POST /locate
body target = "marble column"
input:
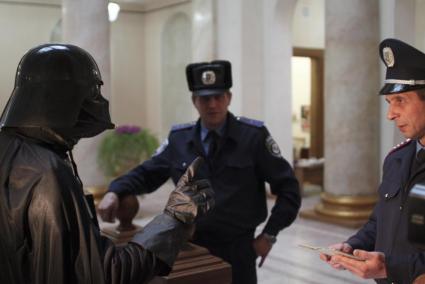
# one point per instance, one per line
(277, 52)
(85, 24)
(228, 16)
(351, 173)
(260, 51)
(203, 30)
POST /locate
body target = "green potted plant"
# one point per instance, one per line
(123, 148)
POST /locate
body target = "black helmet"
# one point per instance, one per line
(57, 87)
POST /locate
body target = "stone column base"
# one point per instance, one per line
(348, 211)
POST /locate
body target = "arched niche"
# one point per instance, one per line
(176, 47)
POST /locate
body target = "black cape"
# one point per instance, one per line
(48, 234)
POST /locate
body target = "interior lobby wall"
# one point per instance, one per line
(128, 71)
(21, 28)
(309, 24)
(154, 24)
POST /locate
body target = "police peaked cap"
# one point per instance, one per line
(209, 78)
(405, 67)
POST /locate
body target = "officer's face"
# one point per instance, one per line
(212, 109)
(407, 110)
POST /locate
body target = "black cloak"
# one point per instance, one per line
(49, 234)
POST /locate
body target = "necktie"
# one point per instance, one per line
(212, 148)
(418, 161)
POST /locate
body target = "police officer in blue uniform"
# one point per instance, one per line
(382, 243)
(241, 157)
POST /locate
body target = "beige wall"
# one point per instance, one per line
(135, 49)
(136, 42)
(21, 28)
(128, 95)
(309, 24)
(154, 27)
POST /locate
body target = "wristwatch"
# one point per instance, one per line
(270, 238)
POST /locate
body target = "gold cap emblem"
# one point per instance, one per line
(388, 56)
(208, 77)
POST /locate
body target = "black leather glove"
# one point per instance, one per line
(190, 198)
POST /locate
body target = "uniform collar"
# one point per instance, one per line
(204, 131)
(230, 130)
(419, 146)
(404, 151)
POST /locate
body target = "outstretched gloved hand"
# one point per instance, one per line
(190, 198)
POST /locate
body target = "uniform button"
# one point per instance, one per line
(184, 164)
(386, 195)
(401, 207)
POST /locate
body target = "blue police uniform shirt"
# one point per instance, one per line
(386, 230)
(204, 133)
(247, 158)
(419, 146)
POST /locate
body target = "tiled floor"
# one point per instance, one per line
(286, 263)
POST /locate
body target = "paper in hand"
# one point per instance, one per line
(330, 252)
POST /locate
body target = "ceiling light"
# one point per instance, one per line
(113, 10)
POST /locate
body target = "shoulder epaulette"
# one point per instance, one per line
(400, 146)
(182, 126)
(250, 121)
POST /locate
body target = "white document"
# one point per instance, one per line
(329, 251)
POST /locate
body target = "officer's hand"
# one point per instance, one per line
(190, 198)
(262, 247)
(420, 279)
(108, 207)
(372, 265)
(344, 247)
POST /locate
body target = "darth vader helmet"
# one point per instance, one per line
(57, 87)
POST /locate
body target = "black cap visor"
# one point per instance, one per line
(210, 92)
(389, 89)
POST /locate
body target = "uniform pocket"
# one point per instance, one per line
(239, 163)
(239, 172)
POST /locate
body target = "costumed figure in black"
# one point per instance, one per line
(382, 243)
(241, 157)
(49, 229)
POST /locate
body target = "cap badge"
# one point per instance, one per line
(208, 77)
(388, 56)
